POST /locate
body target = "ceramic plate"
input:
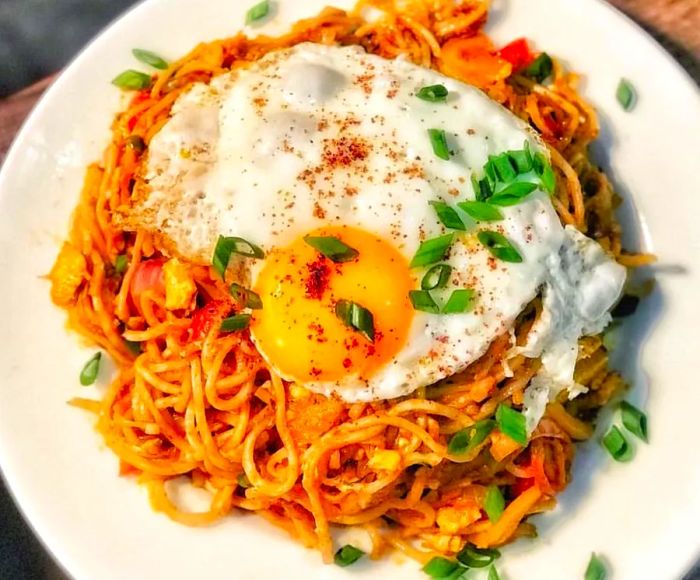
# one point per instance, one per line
(642, 516)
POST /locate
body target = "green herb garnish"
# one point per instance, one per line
(438, 140)
(493, 574)
(448, 215)
(132, 80)
(423, 301)
(357, 317)
(474, 557)
(235, 322)
(432, 251)
(243, 481)
(150, 58)
(511, 423)
(436, 277)
(616, 444)
(441, 567)
(88, 375)
(347, 555)
(499, 246)
(626, 95)
(257, 12)
(433, 93)
(121, 263)
(225, 246)
(513, 193)
(634, 421)
(471, 437)
(245, 297)
(461, 300)
(595, 569)
(494, 503)
(481, 211)
(332, 247)
(540, 68)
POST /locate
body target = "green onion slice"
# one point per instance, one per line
(482, 188)
(513, 193)
(504, 168)
(468, 439)
(150, 58)
(441, 567)
(132, 80)
(243, 481)
(432, 251)
(436, 277)
(626, 95)
(134, 347)
(423, 301)
(634, 421)
(499, 246)
(616, 444)
(257, 12)
(245, 297)
(474, 557)
(88, 375)
(225, 246)
(540, 68)
(548, 178)
(448, 216)
(121, 263)
(347, 555)
(595, 569)
(511, 423)
(481, 211)
(332, 247)
(522, 160)
(493, 574)
(438, 140)
(433, 93)
(461, 300)
(494, 503)
(357, 317)
(235, 322)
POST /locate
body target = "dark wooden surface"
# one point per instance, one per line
(675, 23)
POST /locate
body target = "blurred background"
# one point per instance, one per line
(38, 37)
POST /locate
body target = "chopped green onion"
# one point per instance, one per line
(332, 247)
(133, 346)
(432, 251)
(490, 171)
(436, 277)
(245, 297)
(88, 375)
(482, 188)
(423, 301)
(243, 481)
(347, 555)
(504, 168)
(481, 211)
(634, 421)
(149, 58)
(616, 444)
(225, 246)
(493, 574)
(461, 300)
(511, 423)
(132, 80)
(448, 216)
(257, 12)
(521, 159)
(235, 322)
(540, 68)
(494, 503)
(474, 557)
(439, 142)
(121, 263)
(626, 95)
(136, 143)
(548, 178)
(595, 569)
(433, 93)
(499, 246)
(441, 567)
(627, 306)
(357, 317)
(468, 439)
(513, 193)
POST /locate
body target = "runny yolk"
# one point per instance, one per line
(297, 329)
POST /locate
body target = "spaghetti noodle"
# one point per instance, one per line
(190, 400)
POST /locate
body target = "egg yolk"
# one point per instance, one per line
(297, 329)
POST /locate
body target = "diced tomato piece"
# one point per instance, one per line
(206, 316)
(148, 276)
(522, 485)
(517, 53)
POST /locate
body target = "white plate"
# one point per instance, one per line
(642, 516)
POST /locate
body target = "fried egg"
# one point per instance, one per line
(330, 141)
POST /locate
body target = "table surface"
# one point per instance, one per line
(675, 23)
